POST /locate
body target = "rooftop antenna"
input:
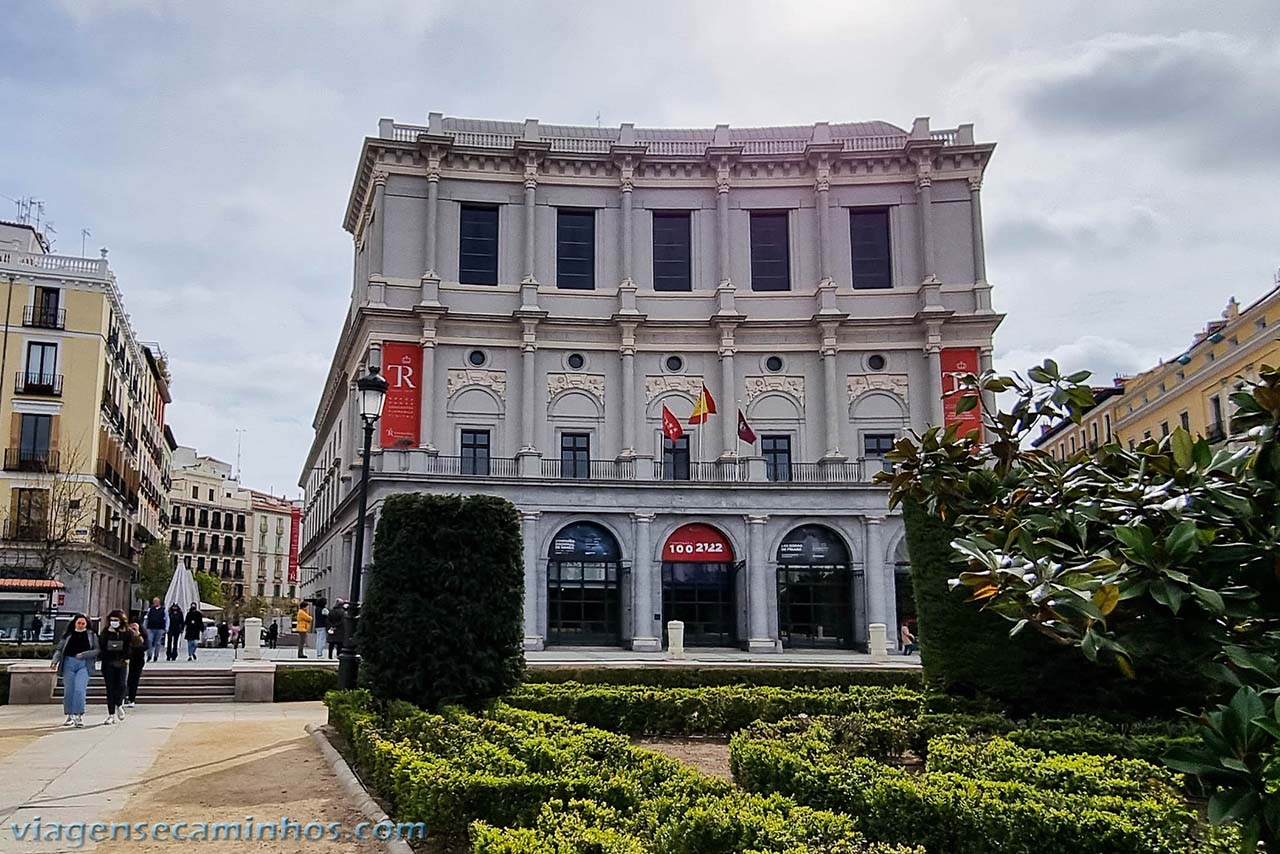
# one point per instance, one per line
(85, 234)
(597, 118)
(239, 432)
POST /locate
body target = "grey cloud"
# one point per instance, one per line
(1213, 97)
(1099, 236)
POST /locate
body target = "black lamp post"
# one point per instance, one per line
(372, 391)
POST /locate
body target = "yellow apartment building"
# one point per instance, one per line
(1192, 390)
(87, 457)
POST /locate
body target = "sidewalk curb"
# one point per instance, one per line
(354, 789)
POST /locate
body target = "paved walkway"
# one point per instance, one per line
(193, 763)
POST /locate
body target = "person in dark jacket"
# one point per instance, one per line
(137, 659)
(337, 627)
(177, 622)
(194, 623)
(154, 622)
(116, 642)
(273, 635)
(224, 632)
(74, 656)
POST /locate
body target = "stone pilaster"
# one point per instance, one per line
(646, 632)
(533, 583)
(759, 575)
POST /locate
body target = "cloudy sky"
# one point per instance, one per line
(211, 147)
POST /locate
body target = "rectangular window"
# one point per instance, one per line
(770, 251)
(204, 518)
(1107, 420)
(869, 244)
(1164, 428)
(191, 516)
(1215, 414)
(34, 439)
(475, 452)
(672, 251)
(776, 451)
(478, 245)
(210, 494)
(217, 519)
(186, 541)
(42, 363)
(32, 513)
(874, 448)
(199, 564)
(576, 249)
(1185, 418)
(173, 540)
(575, 455)
(675, 458)
(1094, 429)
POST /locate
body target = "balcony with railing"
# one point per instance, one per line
(30, 459)
(44, 317)
(26, 530)
(112, 542)
(747, 471)
(59, 265)
(42, 385)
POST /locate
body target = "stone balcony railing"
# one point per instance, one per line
(742, 471)
(29, 263)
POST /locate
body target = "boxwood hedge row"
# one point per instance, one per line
(519, 782)
(708, 677)
(982, 798)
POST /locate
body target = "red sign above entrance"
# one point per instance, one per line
(697, 543)
(957, 362)
(402, 369)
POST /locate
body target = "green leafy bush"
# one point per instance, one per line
(639, 710)
(295, 684)
(705, 677)
(1008, 800)
(441, 620)
(526, 783)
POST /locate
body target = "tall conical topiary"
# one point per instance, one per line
(442, 617)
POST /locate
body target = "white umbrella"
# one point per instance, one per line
(183, 589)
(205, 607)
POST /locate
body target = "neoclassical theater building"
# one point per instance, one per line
(539, 295)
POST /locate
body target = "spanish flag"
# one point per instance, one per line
(704, 407)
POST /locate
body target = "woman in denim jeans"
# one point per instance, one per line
(74, 655)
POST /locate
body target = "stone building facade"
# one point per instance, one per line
(538, 296)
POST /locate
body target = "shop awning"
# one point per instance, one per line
(9, 584)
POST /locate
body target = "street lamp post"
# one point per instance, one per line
(371, 392)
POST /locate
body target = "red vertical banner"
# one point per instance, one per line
(295, 530)
(956, 363)
(401, 411)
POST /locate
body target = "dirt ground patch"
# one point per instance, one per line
(708, 755)
(16, 739)
(229, 772)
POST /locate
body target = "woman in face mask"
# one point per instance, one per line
(117, 642)
(74, 657)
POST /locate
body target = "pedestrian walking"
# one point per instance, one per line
(235, 635)
(154, 621)
(74, 657)
(137, 659)
(176, 624)
(223, 634)
(337, 627)
(36, 625)
(273, 635)
(321, 626)
(194, 626)
(116, 642)
(907, 639)
(303, 625)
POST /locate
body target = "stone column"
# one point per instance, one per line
(627, 186)
(433, 213)
(759, 574)
(975, 215)
(722, 221)
(728, 394)
(532, 582)
(379, 217)
(936, 412)
(822, 187)
(924, 198)
(646, 633)
(530, 201)
(629, 414)
(874, 569)
(833, 394)
(427, 383)
(529, 387)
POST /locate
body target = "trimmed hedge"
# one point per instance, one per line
(442, 618)
(1008, 800)
(707, 677)
(639, 710)
(525, 783)
(295, 684)
(26, 650)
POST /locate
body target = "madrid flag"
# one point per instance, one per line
(671, 425)
(704, 407)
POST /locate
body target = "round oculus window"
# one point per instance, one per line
(476, 358)
(675, 364)
(576, 361)
(876, 362)
(773, 364)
